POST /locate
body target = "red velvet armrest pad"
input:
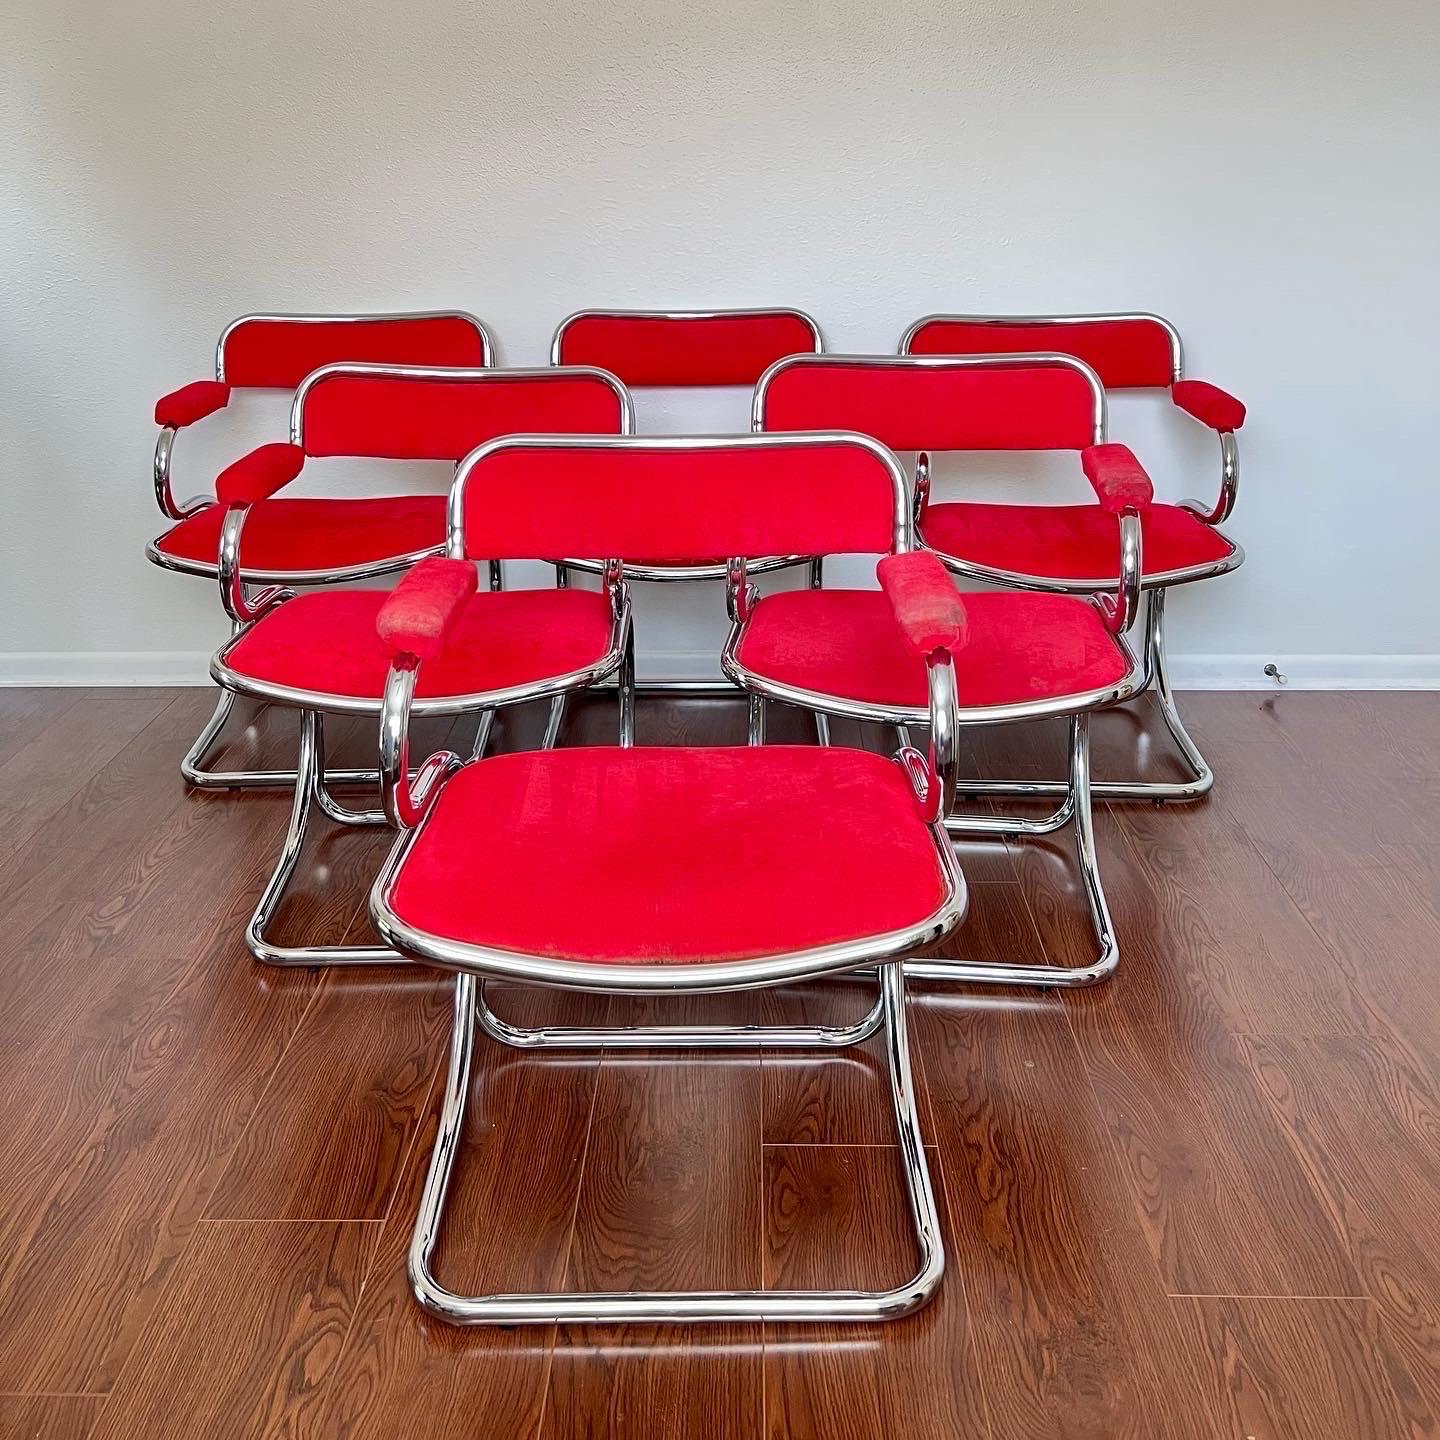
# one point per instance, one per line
(1118, 478)
(424, 606)
(259, 474)
(1209, 404)
(928, 609)
(191, 402)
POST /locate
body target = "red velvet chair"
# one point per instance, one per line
(1025, 655)
(1055, 546)
(671, 870)
(317, 652)
(378, 412)
(276, 352)
(686, 349)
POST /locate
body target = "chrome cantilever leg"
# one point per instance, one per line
(1076, 809)
(755, 731)
(817, 582)
(482, 734)
(192, 767)
(626, 693)
(1157, 663)
(553, 723)
(339, 813)
(1157, 674)
(678, 1037)
(686, 1306)
(309, 788)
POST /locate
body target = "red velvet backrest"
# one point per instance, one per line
(279, 351)
(652, 348)
(1125, 351)
(928, 405)
(444, 414)
(668, 498)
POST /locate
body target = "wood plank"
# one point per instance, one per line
(1379, 925)
(96, 1236)
(844, 1098)
(670, 1199)
(1226, 1208)
(342, 1108)
(252, 1325)
(1298, 1369)
(48, 1417)
(26, 713)
(837, 1217)
(840, 1097)
(65, 743)
(1363, 1118)
(1211, 923)
(1070, 1328)
(163, 869)
(1311, 814)
(507, 1227)
(1145, 988)
(1129, 742)
(1263, 1114)
(1384, 734)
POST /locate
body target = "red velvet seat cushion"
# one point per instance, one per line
(1068, 542)
(326, 640)
(315, 534)
(674, 854)
(1017, 647)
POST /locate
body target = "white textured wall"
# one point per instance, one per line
(1264, 174)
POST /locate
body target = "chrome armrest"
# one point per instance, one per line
(240, 605)
(740, 593)
(1119, 610)
(614, 584)
(922, 484)
(164, 496)
(935, 775)
(1229, 484)
(406, 803)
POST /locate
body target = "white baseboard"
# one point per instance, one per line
(1189, 672)
(1306, 672)
(106, 667)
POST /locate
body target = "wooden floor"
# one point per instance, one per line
(1202, 1200)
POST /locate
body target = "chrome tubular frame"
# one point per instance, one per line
(452, 373)
(474, 964)
(1076, 809)
(681, 574)
(1202, 777)
(646, 977)
(683, 1306)
(164, 496)
(678, 1037)
(487, 343)
(1156, 677)
(764, 311)
(234, 593)
(165, 443)
(405, 802)
(936, 777)
(1040, 359)
(721, 569)
(309, 787)
(1120, 610)
(240, 605)
(1177, 353)
(405, 796)
(1219, 512)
